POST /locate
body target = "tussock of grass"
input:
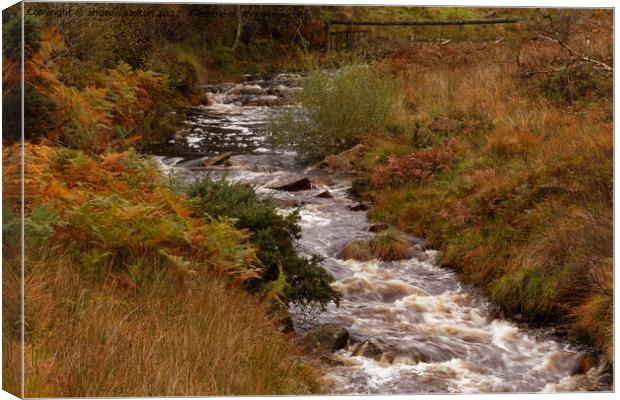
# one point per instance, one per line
(387, 246)
(357, 250)
(85, 338)
(384, 246)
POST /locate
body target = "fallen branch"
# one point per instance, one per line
(530, 74)
(601, 64)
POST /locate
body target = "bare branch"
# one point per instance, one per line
(601, 64)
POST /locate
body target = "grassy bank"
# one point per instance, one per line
(501, 155)
(130, 290)
(132, 287)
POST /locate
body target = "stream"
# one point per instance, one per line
(437, 334)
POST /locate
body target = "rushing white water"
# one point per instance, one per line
(435, 333)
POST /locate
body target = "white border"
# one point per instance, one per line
(448, 3)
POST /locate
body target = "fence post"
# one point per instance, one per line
(328, 36)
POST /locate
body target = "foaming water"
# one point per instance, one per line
(436, 334)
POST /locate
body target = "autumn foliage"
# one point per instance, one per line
(122, 271)
(116, 210)
(115, 109)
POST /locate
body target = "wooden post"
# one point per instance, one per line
(328, 37)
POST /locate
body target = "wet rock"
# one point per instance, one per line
(419, 255)
(293, 186)
(378, 228)
(261, 101)
(422, 244)
(321, 181)
(583, 363)
(324, 195)
(358, 207)
(348, 160)
(331, 360)
(327, 382)
(368, 349)
(286, 325)
(413, 357)
(218, 160)
(388, 358)
(417, 356)
(324, 338)
(248, 90)
(357, 250)
(287, 203)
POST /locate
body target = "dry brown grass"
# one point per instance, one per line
(11, 322)
(85, 338)
(524, 209)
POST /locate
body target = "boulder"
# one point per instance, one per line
(583, 363)
(295, 185)
(377, 228)
(262, 101)
(358, 207)
(325, 338)
(357, 250)
(248, 90)
(331, 360)
(324, 195)
(348, 160)
(421, 244)
(368, 349)
(218, 159)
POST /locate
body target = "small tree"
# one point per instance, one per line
(334, 110)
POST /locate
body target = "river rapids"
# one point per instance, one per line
(437, 334)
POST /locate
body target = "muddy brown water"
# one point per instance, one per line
(437, 334)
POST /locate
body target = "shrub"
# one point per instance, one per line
(275, 236)
(573, 84)
(415, 166)
(116, 210)
(360, 189)
(334, 110)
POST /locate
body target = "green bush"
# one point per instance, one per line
(275, 235)
(334, 110)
